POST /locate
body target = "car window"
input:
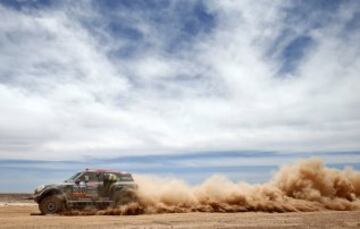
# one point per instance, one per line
(120, 177)
(92, 176)
(111, 176)
(125, 177)
(74, 176)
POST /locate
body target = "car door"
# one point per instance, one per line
(78, 190)
(91, 181)
(85, 187)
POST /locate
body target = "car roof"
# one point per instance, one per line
(96, 170)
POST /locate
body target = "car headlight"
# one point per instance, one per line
(39, 188)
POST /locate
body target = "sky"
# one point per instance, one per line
(179, 87)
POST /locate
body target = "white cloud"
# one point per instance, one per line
(62, 96)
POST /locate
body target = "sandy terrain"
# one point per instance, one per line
(16, 216)
(15, 198)
(17, 212)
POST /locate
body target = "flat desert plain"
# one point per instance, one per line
(26, 215)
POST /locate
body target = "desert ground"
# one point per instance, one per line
(15, 212)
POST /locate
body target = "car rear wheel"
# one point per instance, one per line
(51, 205)
(123, 197)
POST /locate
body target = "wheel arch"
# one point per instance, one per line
(52, 191)
(116, 188)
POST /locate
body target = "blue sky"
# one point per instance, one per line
(193, 84)
(194, 168)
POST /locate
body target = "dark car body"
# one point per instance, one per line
(96, 187)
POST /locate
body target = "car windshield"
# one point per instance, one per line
(74, 176)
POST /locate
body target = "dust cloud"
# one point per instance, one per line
(307, 185)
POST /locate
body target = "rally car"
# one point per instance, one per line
(100, 188)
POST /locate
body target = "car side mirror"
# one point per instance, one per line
(77, 181)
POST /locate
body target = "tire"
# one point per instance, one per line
(124, 197)
(52, 204)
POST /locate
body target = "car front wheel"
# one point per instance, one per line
(51, 205)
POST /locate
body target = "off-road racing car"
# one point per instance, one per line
(98, 188)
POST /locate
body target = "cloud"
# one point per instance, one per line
(92, 79)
